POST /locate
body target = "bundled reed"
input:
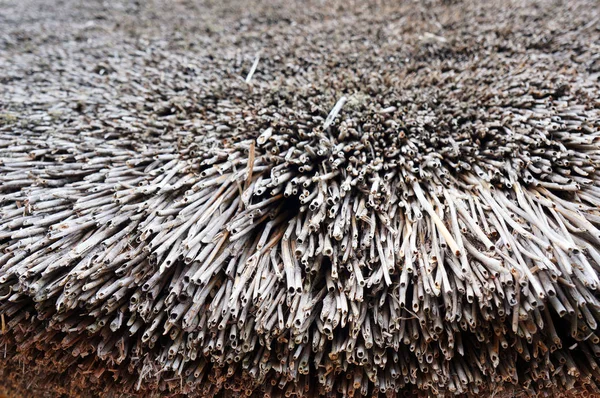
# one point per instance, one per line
(348, 244)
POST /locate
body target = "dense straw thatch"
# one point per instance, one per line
(285, 200)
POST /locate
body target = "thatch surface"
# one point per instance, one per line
(96, 97)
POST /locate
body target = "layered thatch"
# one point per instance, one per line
(386, 199)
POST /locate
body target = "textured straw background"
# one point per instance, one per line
(115, 69)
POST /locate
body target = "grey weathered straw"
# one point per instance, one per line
(366, 212)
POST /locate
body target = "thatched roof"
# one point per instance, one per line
(286, 198)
